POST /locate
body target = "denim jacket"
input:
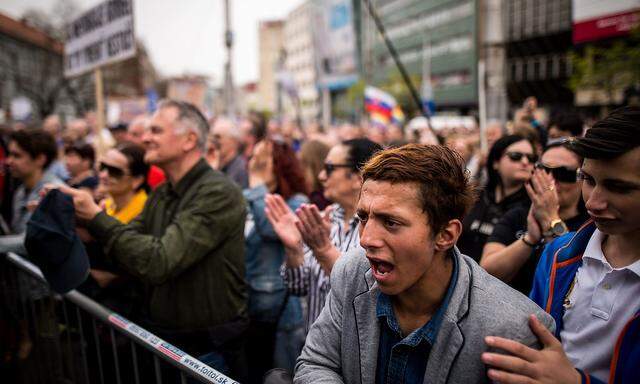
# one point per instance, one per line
(264, 256)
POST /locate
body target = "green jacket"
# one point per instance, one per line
(187, 246)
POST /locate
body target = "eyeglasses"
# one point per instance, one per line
(560, 174)
(114, 172)
(517, 156)
(329, 168)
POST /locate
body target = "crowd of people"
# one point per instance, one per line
(354, 253)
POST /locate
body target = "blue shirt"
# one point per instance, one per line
(404, 360)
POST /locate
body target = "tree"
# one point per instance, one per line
(53, 23)
(44, 85)
(609, 68)
(396, 86)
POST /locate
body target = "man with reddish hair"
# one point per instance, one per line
(408, 307)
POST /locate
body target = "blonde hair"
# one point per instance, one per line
(312, 155)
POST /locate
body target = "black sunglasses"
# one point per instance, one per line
(114, 172)
(560, 174)
(329, 168)
(517, 156)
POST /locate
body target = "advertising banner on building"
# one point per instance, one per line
(335, 43)
(598, 19)
(102, 35)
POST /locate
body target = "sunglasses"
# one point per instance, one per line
(329, 168)
(114, 172)
(560, 174)
(517, 156)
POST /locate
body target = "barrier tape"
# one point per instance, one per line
(180, 358)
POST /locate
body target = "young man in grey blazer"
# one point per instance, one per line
(410, 308)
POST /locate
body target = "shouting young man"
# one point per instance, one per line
(408, 307)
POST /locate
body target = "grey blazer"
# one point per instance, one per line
(342, 345)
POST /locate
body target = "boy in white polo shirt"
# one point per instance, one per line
(589, 280)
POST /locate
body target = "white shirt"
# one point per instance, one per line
(601, 303)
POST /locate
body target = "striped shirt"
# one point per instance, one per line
(309, 279)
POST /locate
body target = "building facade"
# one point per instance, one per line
(300, 64)
(444, 32)
(538, 42)
(31, 81)
(32, 73)
(271, 49)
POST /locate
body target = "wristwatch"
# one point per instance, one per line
(556, 229)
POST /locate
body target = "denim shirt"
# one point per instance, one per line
(264, 255)
(404, 360)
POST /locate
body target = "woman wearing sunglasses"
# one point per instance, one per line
(123, 179)
(509, 166)
(513, 250)
(276, 331)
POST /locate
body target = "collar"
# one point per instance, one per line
(226, 167)
(189, 178)
(338, 215)
(429, 331)
(593, 251)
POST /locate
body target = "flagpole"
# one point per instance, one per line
(482, 106)
(426, 74)
(394, 54)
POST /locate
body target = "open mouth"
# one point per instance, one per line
(381, 268)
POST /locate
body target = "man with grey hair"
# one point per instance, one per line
(187, 245)
(225, 139)
(136, 129)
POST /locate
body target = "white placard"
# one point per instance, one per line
(102, 35)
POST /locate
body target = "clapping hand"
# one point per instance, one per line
(315, 228)
(283, 221)
(544, 203)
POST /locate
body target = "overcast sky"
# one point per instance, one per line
(186, 37)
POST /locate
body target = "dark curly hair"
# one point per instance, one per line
(36, 142)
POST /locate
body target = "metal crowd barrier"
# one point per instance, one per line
(74, 340)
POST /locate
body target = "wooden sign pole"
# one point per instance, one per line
(100, 145)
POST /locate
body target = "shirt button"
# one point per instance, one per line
(606, 286)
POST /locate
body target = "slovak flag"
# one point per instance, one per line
(379, 104)
(397, 116)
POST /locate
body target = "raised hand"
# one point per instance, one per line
(315, 229)
(544, 198)
(283, 221)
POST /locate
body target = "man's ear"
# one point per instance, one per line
(191, 142)
(448, 235)
(41, 160)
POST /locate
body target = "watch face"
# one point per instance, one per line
(559, 228)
